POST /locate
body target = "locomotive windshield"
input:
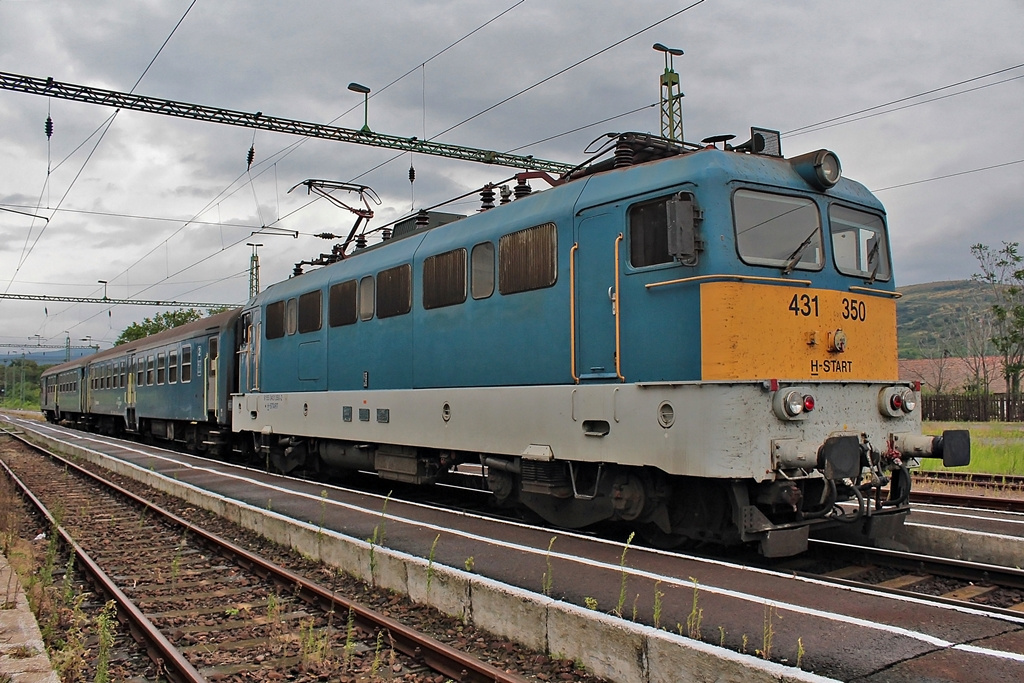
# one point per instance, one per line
(858, 243)
(777, 230)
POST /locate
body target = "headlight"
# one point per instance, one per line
(909, 400)
(821, 168)
(792, 403)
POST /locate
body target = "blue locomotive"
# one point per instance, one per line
(697, 342)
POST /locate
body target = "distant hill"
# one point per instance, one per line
(928, 316)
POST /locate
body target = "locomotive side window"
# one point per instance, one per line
(776, 230)
(366, 298)
(310, 315)
(444, 279)
(527, 259)
(394, 291)
(648, 233)
(483, 270)
(859, 244)
(341, 304)
(291, 317)
(275, 321)
(172, 366)
(186, 363)
(161, 367)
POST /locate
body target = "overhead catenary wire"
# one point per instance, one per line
(106, 127)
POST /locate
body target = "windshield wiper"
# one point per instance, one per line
(794, 258)
(874, 254)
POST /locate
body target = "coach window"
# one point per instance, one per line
(150, 368)
(858, 243)
(777, 230)
(139, 373)
(172, 366)
(341, 304)
(366, 298)
(124, 374)
(527, 259)
(483, 270)
(186, 363)
(275, 321)
(161, 367)
(310, 316)
(106, 376)
(444, 279)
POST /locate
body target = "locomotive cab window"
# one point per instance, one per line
(777, 230)
(662, 231)
(859, 244)
(275, 320)
(527, 259)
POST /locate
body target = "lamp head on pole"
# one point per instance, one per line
(362, 89)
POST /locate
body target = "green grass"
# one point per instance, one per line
(996, 447)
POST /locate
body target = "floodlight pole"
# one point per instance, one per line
(254, 269)
(362, 89)
(671, 96)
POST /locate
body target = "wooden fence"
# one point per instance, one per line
(972, 408)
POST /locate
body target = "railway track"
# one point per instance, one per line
(971, 480)
(208, 609)
(982, 587)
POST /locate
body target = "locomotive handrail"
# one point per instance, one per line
(618, 318)
(723, 276)
(572, 310)
(876, 292)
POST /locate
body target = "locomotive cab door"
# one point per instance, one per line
(248, 335)
(595, 267)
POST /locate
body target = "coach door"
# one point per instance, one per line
(129, 394)
(211, 375)
(595, 265)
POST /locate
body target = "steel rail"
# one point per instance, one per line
(967, 501)
(164, 654)
(440, 657)
(976, 572)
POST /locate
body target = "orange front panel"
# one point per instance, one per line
(759, 332)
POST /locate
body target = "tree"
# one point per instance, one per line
(1002, 272)
(973, 328)
(158, 323)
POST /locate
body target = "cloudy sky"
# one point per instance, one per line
(162, 208)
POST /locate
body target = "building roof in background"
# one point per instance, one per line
(951, 374)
